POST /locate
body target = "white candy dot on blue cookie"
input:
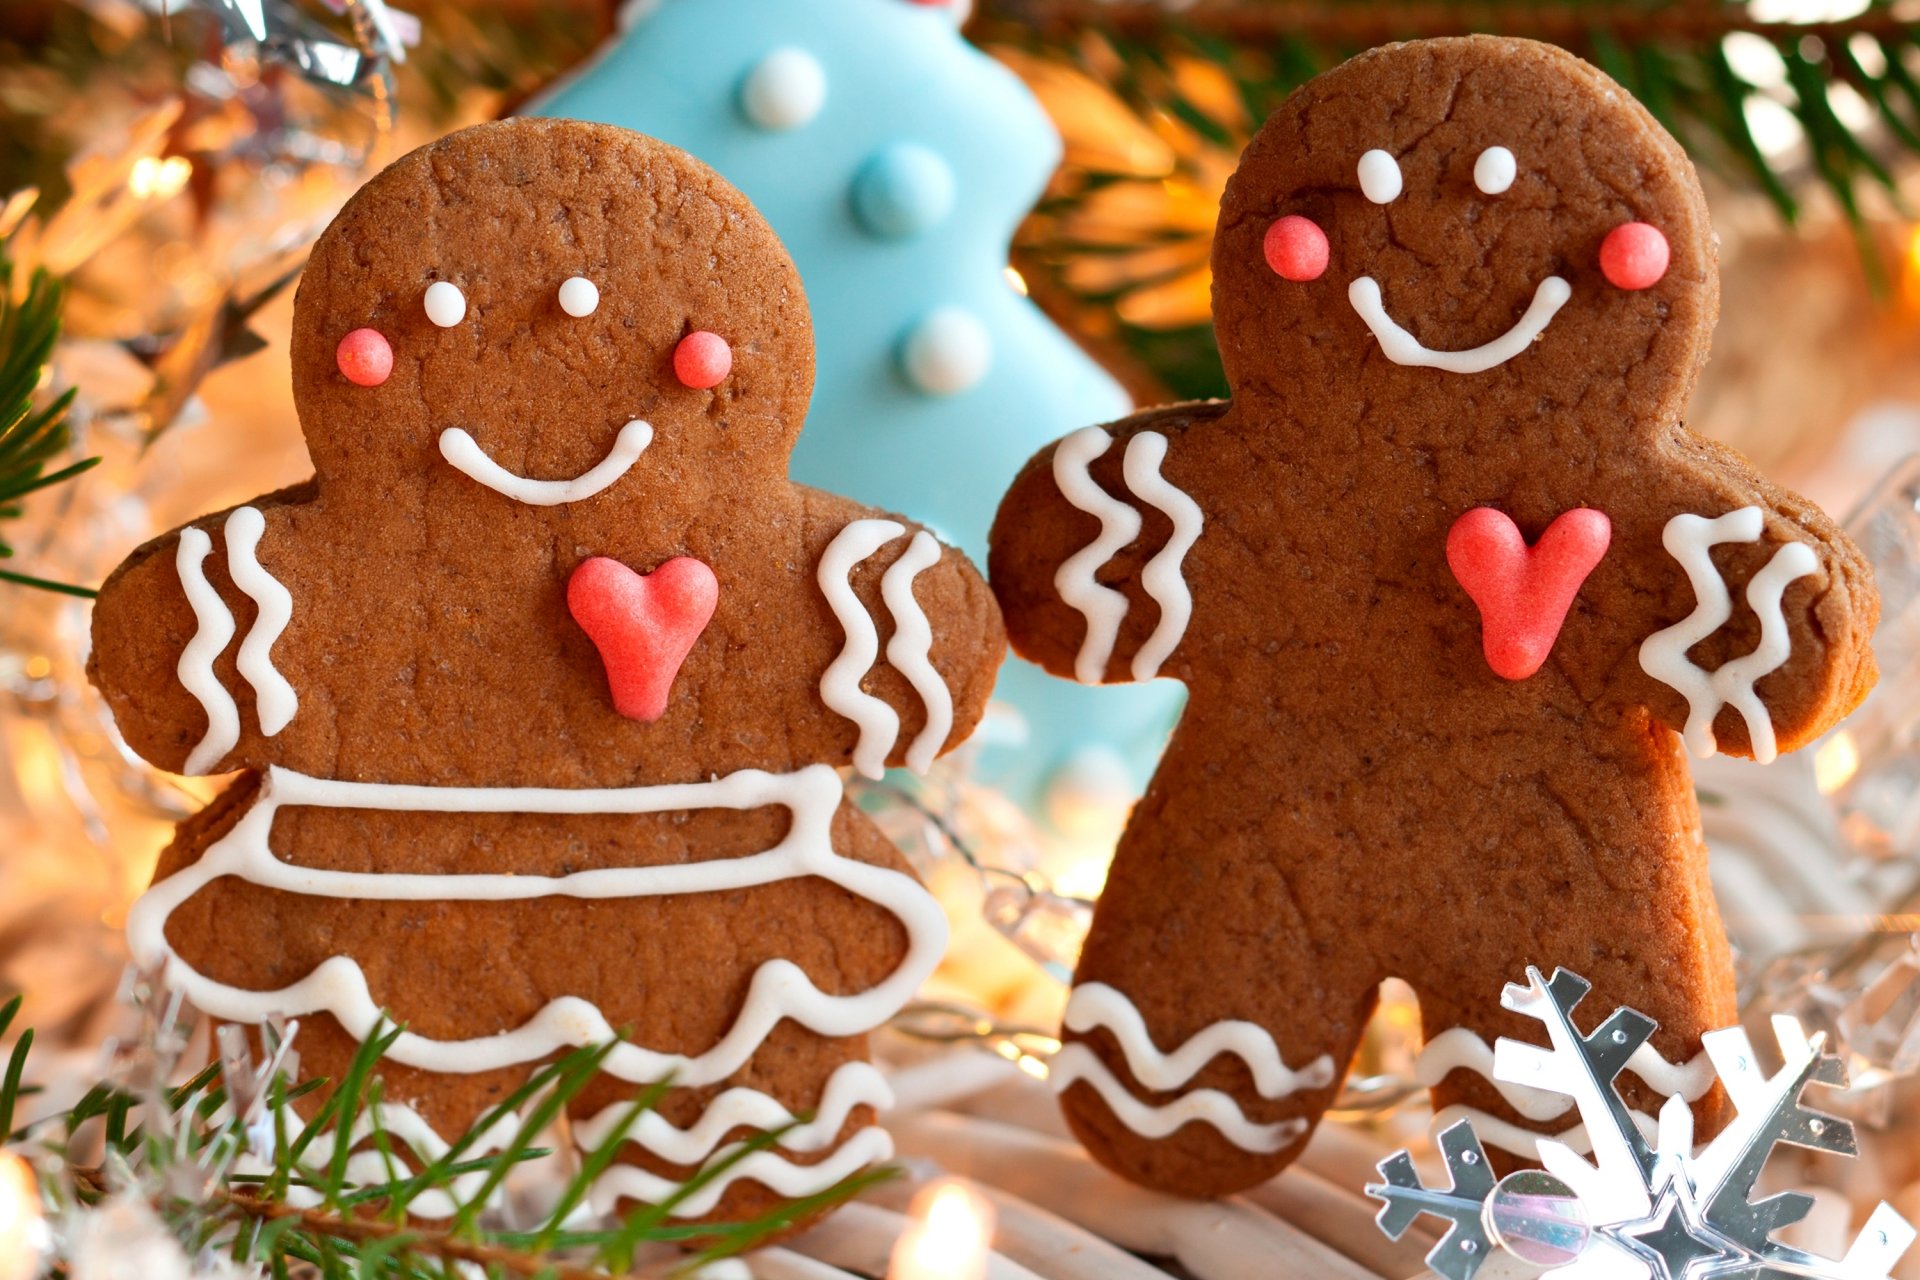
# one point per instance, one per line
(946, 352)
(903, 190)
(784, 90)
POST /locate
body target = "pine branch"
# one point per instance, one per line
(312, 1211)
(389, 1241)
(30, 438)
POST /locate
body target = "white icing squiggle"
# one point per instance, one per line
(1095, 1004)
(370, 1168)
(403, 1125)
(210, 639)
(840, 687)
(779, 989)
(910, 650)
(466, 455)
(1508, 1136)
(1103, 607)
(1075, 1063)
(852, 1084)
(1162, 577)
(1459, 1049)
(274, 699)
(1734, 681)
(1663, 655)
(768, 1168)
(1403, 348)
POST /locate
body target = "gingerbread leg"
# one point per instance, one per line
(1210, 1024)
(1644, 959)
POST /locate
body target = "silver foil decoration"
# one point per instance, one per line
(1639, 1210)
(286, 35)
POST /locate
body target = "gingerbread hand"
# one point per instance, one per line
(1090, 542)
(1763, 617)
(183, 693)
(933, 688)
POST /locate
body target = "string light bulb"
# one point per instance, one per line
(948, 1237)
(153, 178)
(22, 1222)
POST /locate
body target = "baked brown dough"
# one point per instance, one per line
(1354, 791)
(432, 642)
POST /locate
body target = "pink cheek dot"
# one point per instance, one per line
(1634, 256)
(365, 357)
(1297, 249)
(702, 360)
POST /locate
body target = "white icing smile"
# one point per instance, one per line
(1402, 347)
(465, 453)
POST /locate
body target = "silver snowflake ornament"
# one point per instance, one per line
(1640, 1210)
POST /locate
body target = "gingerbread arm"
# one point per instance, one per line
(1758, 609)
(183, 633)
(921, 637)
(1087, 549)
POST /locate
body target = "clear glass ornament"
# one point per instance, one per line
(1870, 765)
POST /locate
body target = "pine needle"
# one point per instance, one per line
(31, 438)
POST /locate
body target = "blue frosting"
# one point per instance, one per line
(904, 190)
(897, 192)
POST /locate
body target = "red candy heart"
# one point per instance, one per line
(643, 625)
(1524, 592)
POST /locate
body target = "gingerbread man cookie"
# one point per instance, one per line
(541, 685)
(1449, 584)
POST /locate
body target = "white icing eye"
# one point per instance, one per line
(579, 296)
(1494, 171)
(446, 305)
(1379, 177)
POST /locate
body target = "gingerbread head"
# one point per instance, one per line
(1468, 229)
(549, 672)
(1449, 584)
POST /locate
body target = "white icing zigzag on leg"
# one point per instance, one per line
(1095, 1004)
(274, 699)
(404, 1126)
(196, 660)
(1508, 1136)
(1162, 577)
(1459, 1049)
(851, 1085)
(910, 649)
(1075, 1063)
(769, 1168)
(1663, 655)
(1103, 607)
(840, 687)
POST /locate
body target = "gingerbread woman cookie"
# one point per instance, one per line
(541, 685)
(1449, 584)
